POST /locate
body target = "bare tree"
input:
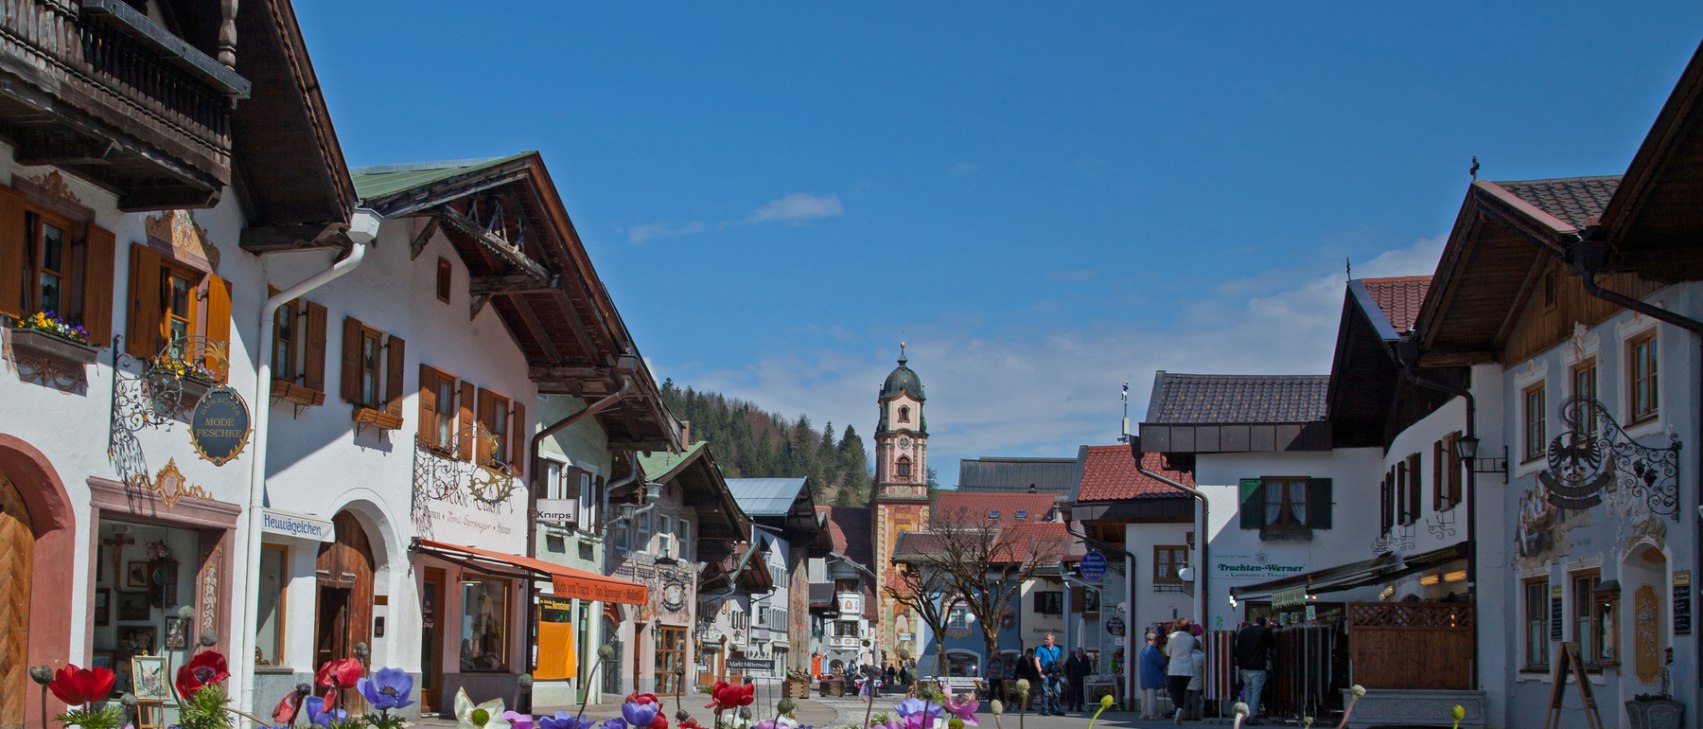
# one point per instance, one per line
(922, 587)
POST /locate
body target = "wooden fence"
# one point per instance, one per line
(1411, 645)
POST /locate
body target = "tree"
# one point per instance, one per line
(988, 564)
(854, 464)
(925, 587)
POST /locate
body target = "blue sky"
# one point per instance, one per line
(1045, 200)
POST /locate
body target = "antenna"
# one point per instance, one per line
(1124, 436)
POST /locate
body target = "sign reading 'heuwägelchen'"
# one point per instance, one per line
(220, 425)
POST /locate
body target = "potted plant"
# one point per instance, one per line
(1655, 711)
(194, 375)
(49, 334)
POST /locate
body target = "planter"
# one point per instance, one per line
(797, 688)
(193, 389)
(1657, 714)
(54, 346)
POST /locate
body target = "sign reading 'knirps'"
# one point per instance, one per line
(219, 427)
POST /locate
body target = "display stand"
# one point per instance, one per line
(1567, 661)
(150, 714)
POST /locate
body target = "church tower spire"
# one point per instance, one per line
(901, 489)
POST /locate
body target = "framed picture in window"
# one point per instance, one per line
(136, 574)
(148, 678)
(104, 659)
(132, 605)
(103, 607)
(177, 634)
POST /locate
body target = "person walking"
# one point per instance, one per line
(1076, 670)
(1179, 648)
(1254, 647)
(1196, 697)
(1049, 659)
(1152, 675)
(1028, 669)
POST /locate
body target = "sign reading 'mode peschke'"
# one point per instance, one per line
(220, 425)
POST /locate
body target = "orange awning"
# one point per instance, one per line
(565, 581)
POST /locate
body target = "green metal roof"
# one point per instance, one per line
(384, 180)
(658, 464)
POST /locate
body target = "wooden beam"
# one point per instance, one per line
(63, 149)
(581, 336)
(511, 283)
(479, 303)
(1455, 359)
(269, 238)
(537, 330)
(418, 245)
(570, 373)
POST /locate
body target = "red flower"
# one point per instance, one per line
(715, 696)
(340, 673)
(77, 686)
(727, 696)
(642, 699)
(285, 712)
(660, 722)
(206, 667)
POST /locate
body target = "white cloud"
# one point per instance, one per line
(647, 231)
(799, 206)
(1043, 395)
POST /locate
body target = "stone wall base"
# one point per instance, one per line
(1401, 707)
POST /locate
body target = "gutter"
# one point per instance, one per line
(363, 230)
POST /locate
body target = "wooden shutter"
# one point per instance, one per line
(313, 346)
(1384, 493)
(142, 328)
(98, 253)
(464, 424)
(1454, 461)
(218, 326)
(426, 428)
(1318, 503)
(1253, 507)
(1413, 488)
(351, 385)
(481, 441)
(1437, 470)
(394, 350)
(14, 243)
(518, 440)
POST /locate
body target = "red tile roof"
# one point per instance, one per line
(1400, 297)
(1053, 540)
(980, 506)
(1572, 199)
(852, 529)
(1108, 474)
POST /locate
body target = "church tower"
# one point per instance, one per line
(900, 498)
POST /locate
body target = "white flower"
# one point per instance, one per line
(1239, 709)
(1358, 691)
(488, 715)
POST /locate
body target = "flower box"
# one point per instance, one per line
(798, 688)
(377, 418)
(54, 346)
(299, 394)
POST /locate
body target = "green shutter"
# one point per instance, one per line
(1253, 507)
(1318, 502)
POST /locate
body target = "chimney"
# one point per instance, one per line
(686, 433)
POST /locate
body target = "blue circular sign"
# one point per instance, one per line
(1092, 567)
(219, 427)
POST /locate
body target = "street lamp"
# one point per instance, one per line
(1466, 448)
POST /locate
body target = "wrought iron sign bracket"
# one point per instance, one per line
(1595, 456)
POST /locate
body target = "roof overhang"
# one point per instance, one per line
(1235, 437)
(1652, 224)
(1384, 568)
(565, 581)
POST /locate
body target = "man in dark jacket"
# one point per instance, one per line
(1255, 647)
(1076, 669)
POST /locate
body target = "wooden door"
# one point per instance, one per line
(16, 544)
(431, 639)
(344, 571)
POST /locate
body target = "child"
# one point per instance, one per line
(1197, 702)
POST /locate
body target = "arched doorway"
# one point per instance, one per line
(17, 546)
(344, 574)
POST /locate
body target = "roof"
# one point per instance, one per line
(765, 496)
(1652, 223)
(902, 380)
(1398, 298)
(660, 465)
(851, 530)
(1204, 399)
(1109, 474)
(983, 506)
(1575, 200)
(1007, 474)
(382, 180)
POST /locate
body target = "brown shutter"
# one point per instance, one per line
(518, 440)
(97, 285)
(313, 356)
(351, 384)
(218, 325)
(394, 352)
(1437, 470)
(426, 429)
(481, 443)
(14, 245)
(142, 327)
(464, 424)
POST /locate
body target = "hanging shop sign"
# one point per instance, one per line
(1093, 566)
(220, 425)
(1682, 602)
(300, 526)
(1115, 626)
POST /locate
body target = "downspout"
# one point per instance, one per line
(1204, 567)
(1131, 662)
(363, 229)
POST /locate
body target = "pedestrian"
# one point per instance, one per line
(1197, 704)
(996, 678)
(1152, 674)
(1076, 670)
(1254, 647)
(892, 674)
(1028, 670)
(1049, 658)
(1179, 648)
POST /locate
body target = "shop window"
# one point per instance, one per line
(1585, 616)
(1536, 637)
(372, 374)
(54, 261)
(1585, 388)
(1606, 603)
(437, 410)
(484, 624)
(1050, 602)
(502, 425)
(1285, 506)
(1533, 415)
(1641, 367)
(180, 312)
(298, 352)
(269, 626)
(1167, 560)
(670, 659)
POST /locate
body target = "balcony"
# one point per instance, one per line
(98, 89)
(850, 603)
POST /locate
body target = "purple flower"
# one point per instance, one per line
(564, 720)
(912, 707)
(637, 714)
(317, 714)
(964, 709)
(614, 724)
(518, 720)
(389, 688)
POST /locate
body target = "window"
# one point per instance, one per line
(55, 261)
(1537, 624)
(171, 302)
(762, 615)
(1167, 560)
(683, 538)
(298, 352)
(502, 429)
(1585, 616)
(848, 628)
(1585, 388)
(484, 624)
(437, 409)
(1642, 366)
(1535, 439)
(1604, 602)
(904, 468)
(1446, 476)
(670, 657)
(269, 617)
(904, 414)
(1285, 505)
(993, 515)
(372, 374)
(1050, 602)
(665, 536)
(444, 274)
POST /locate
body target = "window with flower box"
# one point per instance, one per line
(298, 352)
(53, 259)
(437, 410)
(179, 315)
(372, 374)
